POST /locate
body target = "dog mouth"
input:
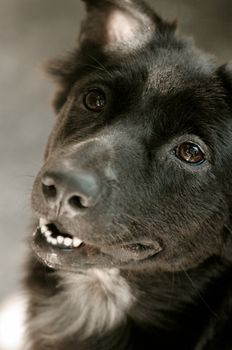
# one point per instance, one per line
(62, 250)
(55, 237)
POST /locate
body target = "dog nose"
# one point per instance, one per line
(70, 192)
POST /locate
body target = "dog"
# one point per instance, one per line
(132, 207)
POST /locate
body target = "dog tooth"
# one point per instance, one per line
(43, 228)
(76, 242)
(53, 241)
(68, 242)
(60, 239)
(47, 234)
(49, 239)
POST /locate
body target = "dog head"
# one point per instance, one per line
(137, 170)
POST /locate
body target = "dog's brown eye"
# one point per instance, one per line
(95, 100)
(190, 153)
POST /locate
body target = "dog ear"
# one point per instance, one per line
(118, 25)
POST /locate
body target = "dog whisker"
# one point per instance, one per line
(100, 66)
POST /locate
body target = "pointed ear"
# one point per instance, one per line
(118, 24)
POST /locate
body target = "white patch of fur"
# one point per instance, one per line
(91, 302)
(120, 27)
(12, 323)
(127, 31)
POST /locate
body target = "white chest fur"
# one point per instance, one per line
(91, 301)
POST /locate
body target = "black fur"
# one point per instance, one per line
(161, 92)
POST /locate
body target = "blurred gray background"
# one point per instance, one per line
(30, 32)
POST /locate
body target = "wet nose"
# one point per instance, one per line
(70, 192)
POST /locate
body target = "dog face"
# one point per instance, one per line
(137, 170)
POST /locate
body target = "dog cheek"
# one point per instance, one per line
(191, 231)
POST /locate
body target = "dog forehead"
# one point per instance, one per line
(165, 80)
(171, 70)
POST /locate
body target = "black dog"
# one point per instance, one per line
(133, 239)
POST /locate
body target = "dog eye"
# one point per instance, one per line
(95, 100)
(190, 153)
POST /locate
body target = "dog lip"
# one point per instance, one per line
(136, 251)
(58, 255)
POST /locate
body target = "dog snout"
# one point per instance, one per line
(70, 191)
